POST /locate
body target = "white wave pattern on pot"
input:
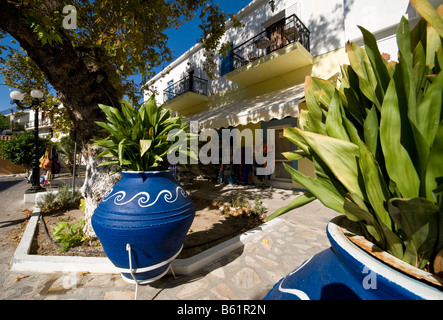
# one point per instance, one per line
(144, 197)
(300, 294)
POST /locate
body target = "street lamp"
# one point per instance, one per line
(37, 97)
(272, 4)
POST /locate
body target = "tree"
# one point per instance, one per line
(93, 63)
(114, 41)
(20, 148)
(4, 122)
(65, 148)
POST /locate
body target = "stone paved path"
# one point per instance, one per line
(247, 273)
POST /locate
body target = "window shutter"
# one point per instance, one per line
(226, 63)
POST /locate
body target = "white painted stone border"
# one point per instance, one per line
(23, 261)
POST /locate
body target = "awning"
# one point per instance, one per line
(274, 105)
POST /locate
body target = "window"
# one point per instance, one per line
(226, 63)
(170, 90)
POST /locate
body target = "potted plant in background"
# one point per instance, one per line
(143, 219)
(376, 141)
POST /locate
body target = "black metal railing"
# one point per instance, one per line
(277, 36)
(41, 123)
(187, 84)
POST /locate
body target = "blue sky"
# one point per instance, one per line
(179, 40)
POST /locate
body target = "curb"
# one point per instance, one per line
(23, 261)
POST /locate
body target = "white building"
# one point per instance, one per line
(260, 85)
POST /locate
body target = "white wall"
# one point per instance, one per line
(331, 23)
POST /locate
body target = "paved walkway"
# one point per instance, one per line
(247, 273)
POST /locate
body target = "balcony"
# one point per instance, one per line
(281, 48)
(187, 92)
(42, 124)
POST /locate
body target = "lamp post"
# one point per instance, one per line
(37, 97)
(272, 4)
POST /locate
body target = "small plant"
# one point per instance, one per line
(48, 202)
(67, 198)
(258, 209)
(138, 138)
(239, 202)
(240, 206)
(69, 235)
(63, 200)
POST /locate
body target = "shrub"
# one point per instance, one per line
(69, 235)
(63, 200)
(19, 150)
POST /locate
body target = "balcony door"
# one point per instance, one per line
(191, 80)
(274, 33)
(281, 178)
(170, 95)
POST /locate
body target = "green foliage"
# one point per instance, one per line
(69, 235)
(138, 139)
(257, 208)
(123, 39)
(62, 200)
(239, 201)
(240, 206)
(48, 202)
(19, 150)
(67, 199)
(65, 149)
(4, 122)
(376, 142)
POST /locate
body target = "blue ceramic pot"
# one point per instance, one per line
(344, 271)
(142, 223)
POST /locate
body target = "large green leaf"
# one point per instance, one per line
(417, 221)
(377, 62)
(334, 119)
(428, 12)
(296, 137)
(128, 112)
(295, 155)
(429, 113)
(430, 109)
(357, 214)
(144, 146)
(321, 188)
(406, 63)
(121, 147)
(362, 66)
(152, 111)
(351, 96)
(374, 184)
(298, 202)
(340, 157)
(404, 175)
(434, 168)
(371, 128)
(313, 105)
(309, 123)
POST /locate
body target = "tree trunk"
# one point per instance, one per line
(98, 181)
(80, 87)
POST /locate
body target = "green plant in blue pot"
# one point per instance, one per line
(375, 138)
(143, 219)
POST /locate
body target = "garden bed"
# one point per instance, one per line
(211, 226)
